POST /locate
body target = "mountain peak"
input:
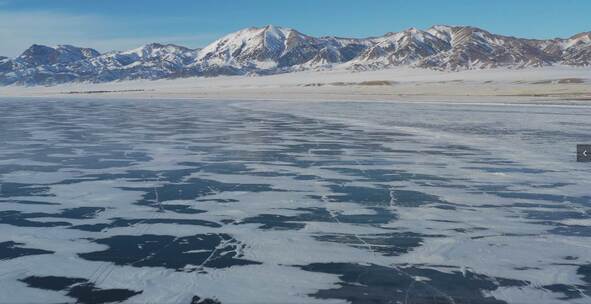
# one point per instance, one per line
(272, 28)
(157, 46)
(37, 49)
(253, 43)
(581, 38)
(38, 54)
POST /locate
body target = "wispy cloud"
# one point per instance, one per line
(19, 30)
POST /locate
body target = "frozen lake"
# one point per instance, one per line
(286, 202)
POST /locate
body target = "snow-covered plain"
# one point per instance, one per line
(556, 84)
(164, 201)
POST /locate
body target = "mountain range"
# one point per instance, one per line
(271, 50)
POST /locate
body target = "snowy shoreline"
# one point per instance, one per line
(549, 85)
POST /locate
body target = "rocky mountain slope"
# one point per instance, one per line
(272, 49)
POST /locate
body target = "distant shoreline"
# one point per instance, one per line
(550, 86)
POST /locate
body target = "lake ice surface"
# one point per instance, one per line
(285, 202)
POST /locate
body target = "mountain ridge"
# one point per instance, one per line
(272, 49)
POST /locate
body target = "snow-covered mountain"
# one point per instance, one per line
(272, 49)
(403, 48)
(575, 50)
(476, 48)
(62, 54)
(5, 64)
(151, 61)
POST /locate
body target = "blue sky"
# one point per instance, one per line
(123, 24)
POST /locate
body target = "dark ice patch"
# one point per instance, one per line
(113, 159)
(28, 202)
(52, 282)
(192, 189)
(555, 215)
(382, 175)
(456, 148)
(139, 175)
(203, 250)
(547, 185)
(508, 170)
(576, 291)
(490, 188)
(296, 222)
(571, 230)
(80, 289)
(11, 250)
(469, 230)
(379, 284)
(381, 196)
(219, 200)
(583, 200)
(183, 209)
(585, 272)
(218, 167)
(21, 219)
(80, 213)
(388, 244)
(569, 291)
(199, 300)
(120, 222)
(8, 189)
(33, 168)
(17, 218)
(274, 222)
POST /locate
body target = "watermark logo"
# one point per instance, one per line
(584, 153)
